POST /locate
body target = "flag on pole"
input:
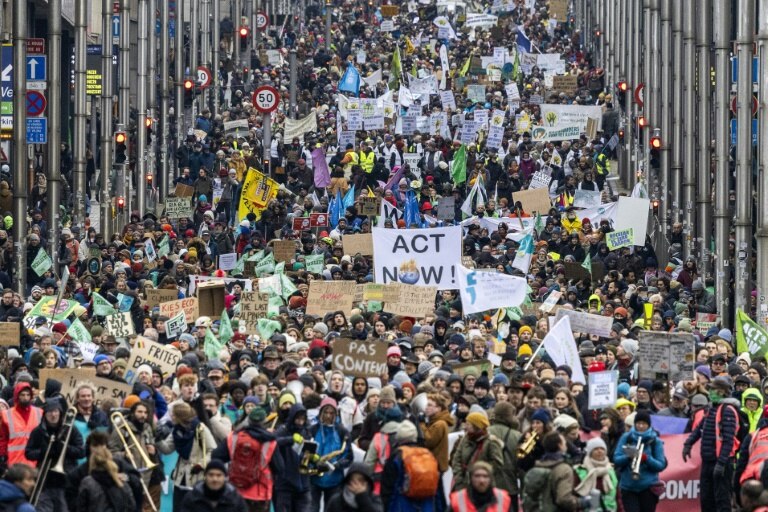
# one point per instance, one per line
(409, 48)
(349, 198)
(350, 81)
(465, 68)
(523, 43)
(750, 337)
(212, 345)
(476, 195)
(320, 166)
(225, 328)
(396, 68)
(459, 166)
(516, 67)
(561, 347)
(524, 254)
(587, 264)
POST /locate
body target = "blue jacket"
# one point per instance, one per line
(331, 438)
(655, 461)
(9, 493)
(290, 479)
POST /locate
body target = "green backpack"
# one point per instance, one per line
(537, 490)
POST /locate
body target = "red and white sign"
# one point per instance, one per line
(318, 220)
(735, 105)
(301, 224)
(681, 479)
(639, 94)
(35, 46)
(203, 77)
(261, 20)
(265, 99)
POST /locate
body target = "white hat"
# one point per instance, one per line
(203, 321)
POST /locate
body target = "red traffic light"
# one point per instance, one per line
(655, 204)
(120, 202)
(621, 133)
(655, 142)
(148, 122)
(188, 84)
(622, 86)
(243, 31)
(641, 122)
(120, 137)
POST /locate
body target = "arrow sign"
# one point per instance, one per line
(116, 26)
(6, 74)
(36, 67)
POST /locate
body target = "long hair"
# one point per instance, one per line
(101, 460)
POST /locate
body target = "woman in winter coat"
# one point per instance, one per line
(641, 494)
(505, 427)
(597, 473)
(357, 493)
(104, 489)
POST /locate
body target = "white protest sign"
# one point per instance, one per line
(547, 134)
(586, 198)
(354, 119)
(175, 327)
(633, 212)
(586, 322)
(481, 291)
(602, 389)
(422, 257)
(228, 261)
(540, 179)
(558, 116)
(448, 100)
(119, 325)
(88, 349)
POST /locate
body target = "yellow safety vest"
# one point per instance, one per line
(367, 161)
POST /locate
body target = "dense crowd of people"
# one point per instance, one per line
(473, 412)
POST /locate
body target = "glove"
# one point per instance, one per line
(298, 439)
(162, 432)
(686, 452)
(719, 470)
(630, 451)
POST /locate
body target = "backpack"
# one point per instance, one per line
(537, 489)
(420, 473)
(244, 468)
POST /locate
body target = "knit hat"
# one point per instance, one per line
(321, 328)
(643, 415)
(144, 368)
(406, 432)
(499, 379)
(387, 393)
(130, 401)
(286, 398)
(425, 367)
(478, 420)
(525, 328)
(394, 351)
(483, 382)
(629, 346)
(726, 335)
(101, 358)
(704, 371)
(542, 415)
(595, 443)
(524, 350)
(216, 465)
(257, 415)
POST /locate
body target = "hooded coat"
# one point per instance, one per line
(754, 417)
(290, 479)
(504, 427)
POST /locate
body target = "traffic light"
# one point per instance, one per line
(148, 124)
(189, 92)
(621, 134)
(641, 122)
(243, 38)
(149, 180)
(121, 147)
(655, 206)
(656, 144)
(120, 204)
(621, 91)
(598, 33)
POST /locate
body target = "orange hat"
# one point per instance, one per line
(130, 401)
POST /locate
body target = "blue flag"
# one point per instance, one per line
(334, 209)
(350, 82)
(349, 198)
(523, 43)
(411, 209)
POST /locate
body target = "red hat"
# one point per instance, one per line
(323, 234)
(596, 366)
(239, 336)
(60, 327)
(189, 233)
(426, 206)
(585, 220)
(184, 370)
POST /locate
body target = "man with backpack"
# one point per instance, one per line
(477, 444)
(549, 486)
(719, 434)
(253, 460)
(481, 493)
(409, 483)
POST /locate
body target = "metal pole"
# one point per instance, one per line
(743, 223)
(205, 46)
(152, 99)
(665, 120)
(328, 14)
(292, 91)
(81, 18)
(722, 29)
(54, 127)
(266, 125)
(676, 166)
(704, 90)
(762, 181)
(237, 4)
(689, 126)
(179, 60)
(637, 79)
(107, 99)
(165, 99)
(124, 99)
(141, 106)
(610, 40)
(20, 146)
(215, 57)
(246, 55)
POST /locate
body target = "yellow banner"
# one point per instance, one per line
(258, 191)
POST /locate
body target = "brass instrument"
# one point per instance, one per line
(637, 460)
(64, 434)
(129, 442)
(527, 447)
(312, 464)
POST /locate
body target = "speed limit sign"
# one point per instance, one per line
(261, 20)
(203, 77)
(265, 99)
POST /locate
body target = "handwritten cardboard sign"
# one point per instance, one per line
(415, 301)
(285, 250)
(188, 305)
(358, 244)
(72, 378)
(565, 83)
(178, 207)
(146, 351)
(10, 334)
(325, 296)
(119, 325)
(155, 297)
(369, 206)
(359, 358)
(253, 306)
(533, 200)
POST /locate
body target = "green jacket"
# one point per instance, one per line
(754, 417)
(466, 453)
(507, 478)
(608, 501)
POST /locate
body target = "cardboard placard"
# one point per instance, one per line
(666, 355)
(358, 244)
(158, 296)
(374, 292)
(586, 322)
(575, 271)
(253, 306)
(285, 250)
(119, 325)
(598, 271)
(565, 83)
(10, 334)
(210, 299)
(533, 200)
(389, 11)
(71, 378)
(446, 208)
(178, 207)
(475, 367)
(188, 305)
(415, 301)
(327, 296)
(369, 206)
(183, 190)
(359, 358)
(558, 9)
(146, 351)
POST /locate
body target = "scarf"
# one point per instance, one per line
(184, 438)
(349, 498)
(596, 469)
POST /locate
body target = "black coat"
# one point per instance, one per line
(99, 492)
(230, 501)
(365, 501)
(39, 439)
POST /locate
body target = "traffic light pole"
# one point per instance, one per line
(238, 8)
(216, 85)
(328, 14)
(165, 100)
(704, 90)
(665, 121)
(141, 107)
(689, 126)
(205, 48)
(743, 224)
(81, 18)
(53, 194)
(722, 29)
(107, 101)
(636, 78)
(20, 146)
(152, 103)
(762, 180)
(292, 91)
(178, 53)
(123, 99)
(676, 167)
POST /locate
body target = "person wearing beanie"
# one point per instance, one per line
(357, 492)
(627, 364)
(394, 365)
(392, 493)
(334, 446)
(644, 393)
(504, 427)
(375, 434)
(637, 490)
(481, 494)
(596, 473)
(476, 445)
(214, 492)
(482, 392)
(720, 423)
(540, 425)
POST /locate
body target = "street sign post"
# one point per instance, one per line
(36, 103)
(115, 29)
(203, 77)
(261, 20)
(735, 70)
(735, 105)
(35, 46)
(734, 133)
(37, 130)
(639, 94)
(265, 99)
(36, 68)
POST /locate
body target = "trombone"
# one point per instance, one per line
(129, 442)
(637, 459)
(64, 434)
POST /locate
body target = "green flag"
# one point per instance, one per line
(212, 345)
(101, 306)
(314, 263)
(395, 68)
(588, 263)
(459, 169)
(516, 67)
(750, 337)
(268, 327)
(225, 328)
(287, 288)
(163, 248)
(239, 267)
(42, 262)
(538, 224)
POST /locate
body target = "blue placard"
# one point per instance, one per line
(6, 76)
(37, 130)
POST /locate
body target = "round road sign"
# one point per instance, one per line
(36, 103)
(735, 105)
(639, 94)
(265, 99)
(203, 77)
(261, 20)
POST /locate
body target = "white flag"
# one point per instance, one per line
(524, 254)
(481, 290)
(561, 347)
(444, 65)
